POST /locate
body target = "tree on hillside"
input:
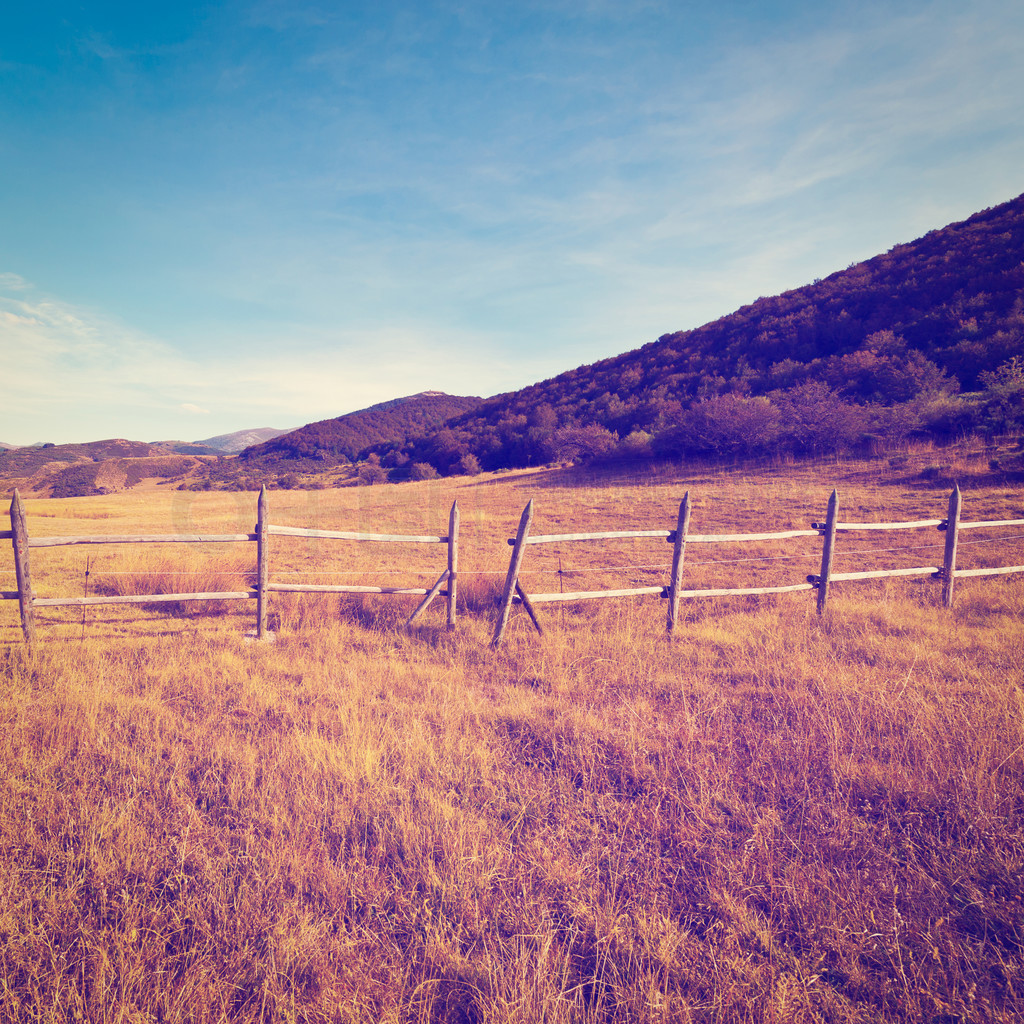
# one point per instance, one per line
(815, 420)
(372, 472)
(468, 465)
(729, 426)
(883, 370)
(1003, 398)
(422, 471)
(445, 450)
(577, 444)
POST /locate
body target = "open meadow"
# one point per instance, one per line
(774, 816)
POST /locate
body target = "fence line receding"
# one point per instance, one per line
(446, 585)
(28, 600)
(821, 582)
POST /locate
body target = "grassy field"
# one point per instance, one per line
(774, 817)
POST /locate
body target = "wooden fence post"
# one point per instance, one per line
(453, 562)
(952, 528)
(827, 549)
(262, 565)
(512, 579)
(678, 552)
(21, 567)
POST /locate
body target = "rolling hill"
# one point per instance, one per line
(99, 467)
(95, 467)
(924, 340)
(919, 339)
(329, 442)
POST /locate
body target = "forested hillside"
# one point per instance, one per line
(920, 340)
(342, 439)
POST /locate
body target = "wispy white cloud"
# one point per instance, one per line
(63, 362)
(789, 158)
(74, 373)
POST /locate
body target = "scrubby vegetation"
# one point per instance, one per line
(773, 818)
(115, 474)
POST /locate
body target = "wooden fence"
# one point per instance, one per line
(680, 537)
(513, 593)
(28, 600)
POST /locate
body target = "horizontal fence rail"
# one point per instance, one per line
(727, 538)
(610, 535)
(159, 538)
(29, 601)
(225, 595)
(387, 538)
(513, 593)
(821, 582)
(448, 577)
(859, 527)
(586, 595)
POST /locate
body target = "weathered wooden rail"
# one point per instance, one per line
(947, 573)
(449, 575)
(29, 601)
(513, 593)
(821, 582)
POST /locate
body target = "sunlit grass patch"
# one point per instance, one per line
(773, 816)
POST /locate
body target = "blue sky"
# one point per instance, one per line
(231, 215)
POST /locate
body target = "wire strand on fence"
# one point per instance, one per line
(728, 561)
(172, 572)
(991, 540)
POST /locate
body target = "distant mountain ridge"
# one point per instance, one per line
(241, 439)
(96, 467)
(29, 459)
(224, 444)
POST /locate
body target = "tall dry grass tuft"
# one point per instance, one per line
(774, 817)
(186, 570)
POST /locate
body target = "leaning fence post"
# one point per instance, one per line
(952, 528)
(512, 579)
(21, 569)
(262, 567)
(827, 550)
(453, 561)
(678, 552)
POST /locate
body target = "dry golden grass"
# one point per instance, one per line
(775, 817)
